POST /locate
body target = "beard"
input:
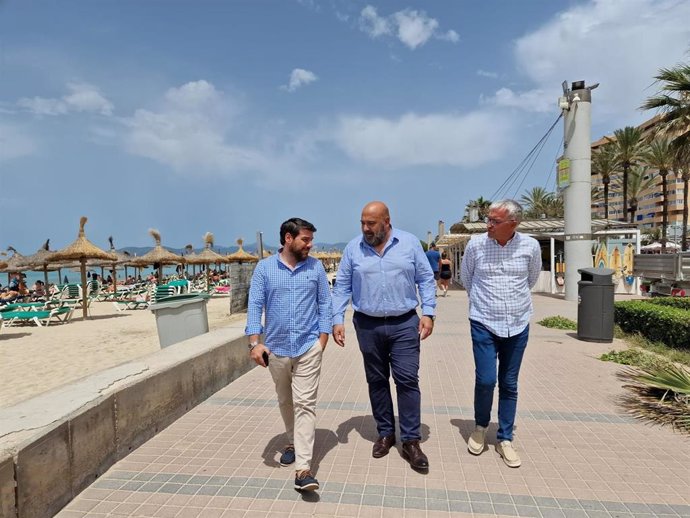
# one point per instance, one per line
(376, 238)
(299, 254)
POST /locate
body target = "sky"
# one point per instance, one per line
(233, 116)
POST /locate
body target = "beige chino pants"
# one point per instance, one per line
(297, 383)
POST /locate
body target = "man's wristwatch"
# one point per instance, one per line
(432, 317)
(253, 344)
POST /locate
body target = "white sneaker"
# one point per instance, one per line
(507, 452)
(477, 441)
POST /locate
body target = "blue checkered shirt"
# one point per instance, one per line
(297, 305)
(498, 280)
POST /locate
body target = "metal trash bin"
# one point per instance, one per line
(595, 305)
(180, 317)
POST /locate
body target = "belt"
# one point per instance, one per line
(392, 318)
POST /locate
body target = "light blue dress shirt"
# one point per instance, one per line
(297, 304)
(498, 280)
(384, 285)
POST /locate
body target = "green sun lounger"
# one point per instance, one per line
(40, 318)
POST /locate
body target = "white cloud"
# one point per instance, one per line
(413, 28)
(451, 36)
(298, 78)
(14, 143)
(373, 24)
(189, 132)
(485, 73)
(532, 100)
(418, 140)
(618, 43)
(82, 97)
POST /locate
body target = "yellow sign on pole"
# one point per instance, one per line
(563, 173)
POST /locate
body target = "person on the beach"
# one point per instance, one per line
(380, 271)
(14, 289)
(292, 290)
(434, 257)
(498, 270)
(445, 272)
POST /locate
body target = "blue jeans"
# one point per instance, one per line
(487, 348)
(392, 344)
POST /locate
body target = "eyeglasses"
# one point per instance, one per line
(494, 222)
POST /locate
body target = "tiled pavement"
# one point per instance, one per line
(581, 456)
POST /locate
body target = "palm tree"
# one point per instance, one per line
(536, 202)
(482, 207)
(638, 181)
(673, 101)
(659, 155)
(682, 168)
(604, 164)
(629, 147)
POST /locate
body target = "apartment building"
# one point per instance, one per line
(650, 200)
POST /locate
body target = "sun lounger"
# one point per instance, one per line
(40, 318)
(122, 305)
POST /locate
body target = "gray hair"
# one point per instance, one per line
(513, 208)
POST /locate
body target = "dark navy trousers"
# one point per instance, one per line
(391, 344)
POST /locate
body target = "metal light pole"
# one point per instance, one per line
(575, 178)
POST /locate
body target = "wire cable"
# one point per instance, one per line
(530, 159)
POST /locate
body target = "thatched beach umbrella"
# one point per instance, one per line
(39, 262)
(158, 255)
(121, 259)
(81, 250)
(207, 257)
(241, 256)
(189, 258)
(14, 263)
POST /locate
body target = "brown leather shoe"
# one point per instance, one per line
(414, 455)
(382, 446)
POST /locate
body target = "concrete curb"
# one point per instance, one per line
(56, 444)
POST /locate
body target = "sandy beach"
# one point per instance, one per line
(34, 360)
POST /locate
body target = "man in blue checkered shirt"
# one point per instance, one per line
(293, 290)
(498, 270)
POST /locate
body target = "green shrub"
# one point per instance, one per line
(674, 302)
(634, 357)
(656, 322)
(558, 322)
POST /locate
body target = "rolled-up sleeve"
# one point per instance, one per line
(256, 302)
(534, 265)
(342, 291)
(325, 303)
(424, 278)
(467, 267)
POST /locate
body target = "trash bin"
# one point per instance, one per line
(595, 305)
(180, 317)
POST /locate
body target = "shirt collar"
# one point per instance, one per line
(508, 243)
(392, 239)
(280, 261)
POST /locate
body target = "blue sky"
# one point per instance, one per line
(232, 116)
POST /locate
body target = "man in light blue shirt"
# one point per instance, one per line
(498, 270)
(293, 290)
(381, 271)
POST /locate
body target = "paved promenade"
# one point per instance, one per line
(581, 456)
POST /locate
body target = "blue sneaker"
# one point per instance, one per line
(288, 456)
(305, 481)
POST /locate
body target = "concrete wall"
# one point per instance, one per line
(240, 277)
(55, 445)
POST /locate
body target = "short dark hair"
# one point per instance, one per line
(294, 226)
